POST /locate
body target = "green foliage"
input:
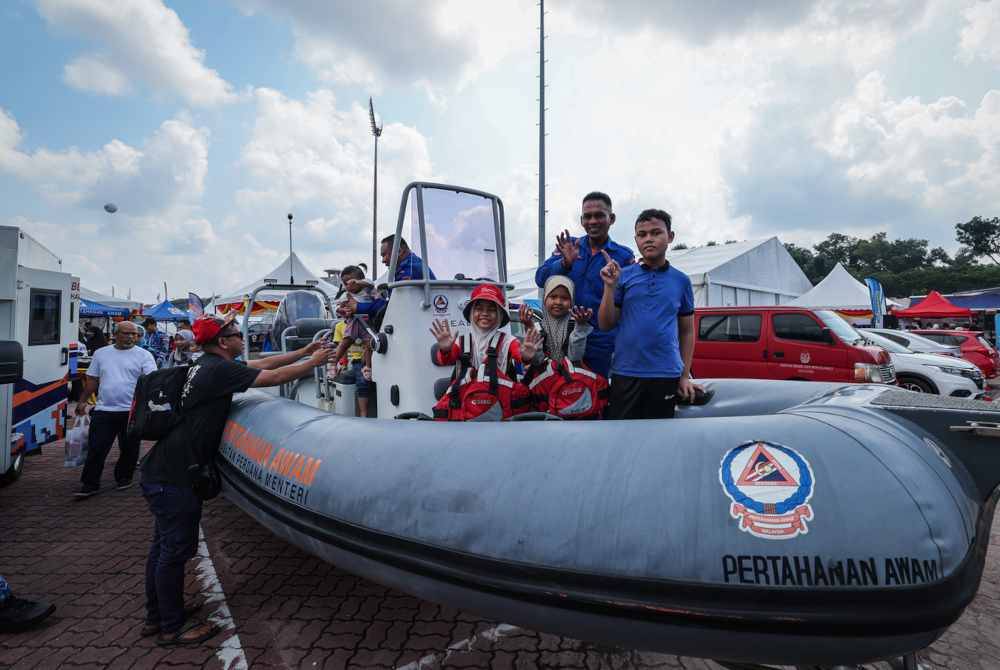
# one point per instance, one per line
(907, 266)
(981, 235)
(679, 246)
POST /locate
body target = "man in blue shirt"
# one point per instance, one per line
(582, 259)
(653, 305)
(154, 341)
(408, 266)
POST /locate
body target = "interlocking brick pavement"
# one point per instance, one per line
(291, 610)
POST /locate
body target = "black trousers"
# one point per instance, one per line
(642, 398)
(104, 428)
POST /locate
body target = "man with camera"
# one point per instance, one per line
(179, 473)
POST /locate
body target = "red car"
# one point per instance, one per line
(975, 348)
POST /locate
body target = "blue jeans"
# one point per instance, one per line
(176, 513)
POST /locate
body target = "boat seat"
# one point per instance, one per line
(301, 334)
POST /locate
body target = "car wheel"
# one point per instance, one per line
(14, 471)
(914, 384)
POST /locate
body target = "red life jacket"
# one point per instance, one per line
(483, 394)
(568, 391)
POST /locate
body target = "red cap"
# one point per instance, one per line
(490, 293)
(206, 328)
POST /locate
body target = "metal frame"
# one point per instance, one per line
(418, 187)
(245, 326)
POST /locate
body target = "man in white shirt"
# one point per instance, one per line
(113, 373)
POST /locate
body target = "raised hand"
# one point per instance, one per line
(567, 246)
(442, 333)
(527, 317)
(582, 315)
(611, 271)
(531, 345)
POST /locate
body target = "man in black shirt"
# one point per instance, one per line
(170, 468)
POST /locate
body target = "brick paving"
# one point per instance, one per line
(290, 610)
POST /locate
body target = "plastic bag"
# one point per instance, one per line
(76, 442)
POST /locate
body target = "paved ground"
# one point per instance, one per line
(284, 608)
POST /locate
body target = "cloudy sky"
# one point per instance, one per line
(206, 122)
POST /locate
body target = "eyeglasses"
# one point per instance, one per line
(233, 334)
(595, 216)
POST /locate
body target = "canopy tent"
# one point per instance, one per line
(756, 272)
(841, 292)
(934, 306)
(167, 312)
(108, 300)
(267, 301)
(986, 299)
(89, 308)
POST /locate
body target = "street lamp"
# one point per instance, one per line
(376, 133)
(291, 259)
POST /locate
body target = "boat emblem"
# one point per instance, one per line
(440, 303)
(770, 486)
(804, 358)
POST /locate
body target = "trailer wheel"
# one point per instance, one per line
(914, 384)
(14, 471)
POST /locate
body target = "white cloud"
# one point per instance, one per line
(978, 40)
(169, 169)
(145, 40)
(97, 75)
(315, 158)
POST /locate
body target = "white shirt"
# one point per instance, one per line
(118, 370)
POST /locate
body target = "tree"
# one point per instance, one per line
(981, 235)
(939, 256)
(711, 243)
(838, 248)
(679, 246)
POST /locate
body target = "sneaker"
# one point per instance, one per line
(18, 613)
(86, 491)
(121, 486)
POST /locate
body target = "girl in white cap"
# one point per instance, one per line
(564, 328)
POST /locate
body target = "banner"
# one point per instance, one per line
(877, 296)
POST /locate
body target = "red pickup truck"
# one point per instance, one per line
(784, 343)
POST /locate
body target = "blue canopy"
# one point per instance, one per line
(91, 308)
(167, 312)
(978, 300)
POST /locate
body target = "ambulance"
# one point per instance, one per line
(39, 318)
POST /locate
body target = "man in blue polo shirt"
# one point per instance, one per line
(408, 266)
(652, 304)
(582, 259)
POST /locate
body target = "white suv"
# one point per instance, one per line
(930, 373)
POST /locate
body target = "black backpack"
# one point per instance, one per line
(156, 403)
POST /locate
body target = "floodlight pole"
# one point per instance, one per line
(291, 259)
(376, 133)
(541, 132)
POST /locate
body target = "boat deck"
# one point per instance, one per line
(283, 608)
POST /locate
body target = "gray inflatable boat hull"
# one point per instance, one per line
(781, 522)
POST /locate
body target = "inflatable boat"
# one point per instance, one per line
(771, 522)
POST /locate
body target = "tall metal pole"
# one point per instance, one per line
(541, 132)
(376, 132)
(291, 259)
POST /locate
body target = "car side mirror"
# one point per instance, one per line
(11, 361)
(828, 336)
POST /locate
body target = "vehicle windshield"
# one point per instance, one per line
(840, 328)
(885, 343)
(461, 231)
(925, 341)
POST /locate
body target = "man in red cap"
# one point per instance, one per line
(170, 469)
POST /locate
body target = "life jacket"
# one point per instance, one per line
(568, 391)
(483, 394)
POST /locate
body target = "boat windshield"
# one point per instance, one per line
(841, 328)
(461, 233)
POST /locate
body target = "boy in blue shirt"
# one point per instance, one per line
(652, 304)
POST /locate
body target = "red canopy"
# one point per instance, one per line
(934, 306)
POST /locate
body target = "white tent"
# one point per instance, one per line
(108, 300)
(838, 290)
(291, 267)
(758, 272)
(755, 272)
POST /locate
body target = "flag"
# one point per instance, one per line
(195, 306)
(877, 296)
